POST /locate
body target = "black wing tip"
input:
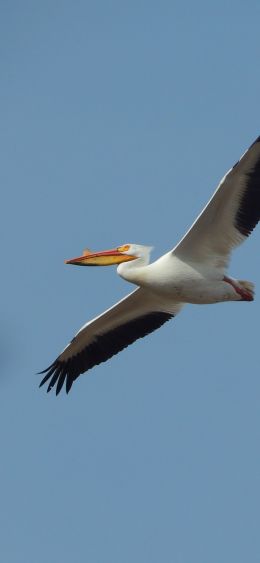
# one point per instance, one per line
(47, 369)
(248, 213)
(57, 374)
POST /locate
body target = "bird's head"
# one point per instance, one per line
(124, 253)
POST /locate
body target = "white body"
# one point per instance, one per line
(185, 282)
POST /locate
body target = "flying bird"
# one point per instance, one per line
(195, 271)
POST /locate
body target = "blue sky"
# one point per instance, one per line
(118, 121)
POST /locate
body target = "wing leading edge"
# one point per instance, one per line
(137, 315)
(230, 216)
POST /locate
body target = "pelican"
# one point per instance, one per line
(195, 271)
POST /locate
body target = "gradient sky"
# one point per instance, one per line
(118, 119)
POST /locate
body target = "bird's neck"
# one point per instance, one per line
(133, 271)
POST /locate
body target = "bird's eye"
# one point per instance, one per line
(123, 248)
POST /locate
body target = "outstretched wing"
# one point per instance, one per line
(229, 217)
(133, 317)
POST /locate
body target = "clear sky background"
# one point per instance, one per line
(118, 119)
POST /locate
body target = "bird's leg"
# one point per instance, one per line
(243, 288)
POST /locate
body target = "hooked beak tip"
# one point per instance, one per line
(72, 261)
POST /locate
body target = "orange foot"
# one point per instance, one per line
(243, 288)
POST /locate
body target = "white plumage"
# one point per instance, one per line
(193, 272)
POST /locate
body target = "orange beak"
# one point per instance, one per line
(104, 258)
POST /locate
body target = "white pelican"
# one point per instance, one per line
(193, 272)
